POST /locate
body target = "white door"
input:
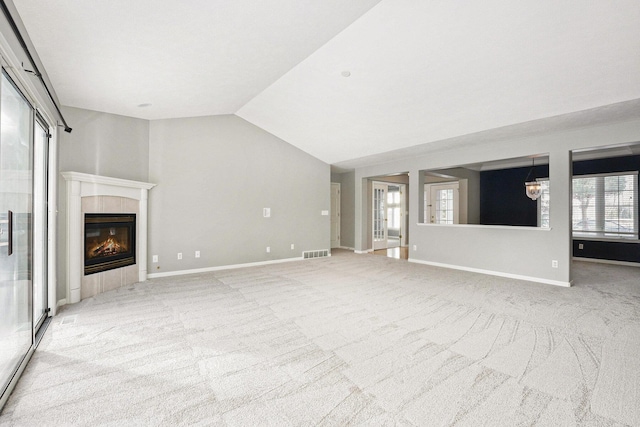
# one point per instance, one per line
(394, 215)
(379, 216)
(442, 202)
(404, 226)
(335, 215)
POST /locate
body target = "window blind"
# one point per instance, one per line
(606, 205)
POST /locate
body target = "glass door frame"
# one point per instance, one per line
(40, 267)
(45, 209)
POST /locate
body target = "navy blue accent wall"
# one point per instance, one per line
(503, 200)
(613, 164)
(614, 251)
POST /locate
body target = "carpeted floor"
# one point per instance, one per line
(351, 340)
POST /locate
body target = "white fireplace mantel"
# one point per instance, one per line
(81, 185)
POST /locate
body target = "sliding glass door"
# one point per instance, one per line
(16, 240)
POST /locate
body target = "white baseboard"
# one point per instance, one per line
(493, 273)
(60, 303)
(221, 267)
(366, 251)
(345, 247)
(607, 261)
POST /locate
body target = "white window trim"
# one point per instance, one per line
(601, 235)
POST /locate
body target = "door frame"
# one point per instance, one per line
(41, 270)
(404, 212)
(338, 216)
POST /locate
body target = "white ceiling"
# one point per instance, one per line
(422, 72)
(191, 58)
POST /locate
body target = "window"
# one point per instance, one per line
(393, 207)
(444, 206)
(606, 205)
(603, 205)
(543, 204)
(441, 203)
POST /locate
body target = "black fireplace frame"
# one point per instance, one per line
(96, 221)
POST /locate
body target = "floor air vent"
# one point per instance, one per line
(315, 254)
(69, 320)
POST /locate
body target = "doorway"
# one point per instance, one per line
(389, 217)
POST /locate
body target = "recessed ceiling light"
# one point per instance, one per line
(345, 73)
(147, 104)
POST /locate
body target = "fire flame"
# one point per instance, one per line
(107, 248)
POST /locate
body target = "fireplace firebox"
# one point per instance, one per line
(109, 241)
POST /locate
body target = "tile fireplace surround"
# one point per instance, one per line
(100, 194)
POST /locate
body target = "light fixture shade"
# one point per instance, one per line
(533, 189)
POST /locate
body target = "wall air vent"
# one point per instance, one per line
(315, 254)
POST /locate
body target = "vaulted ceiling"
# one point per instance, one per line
(345, 80)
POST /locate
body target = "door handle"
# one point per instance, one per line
(10, 227)
(9, 242)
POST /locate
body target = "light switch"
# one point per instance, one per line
(266, 212)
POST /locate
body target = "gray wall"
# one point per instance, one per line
(347, 207)
(100, 144)
(516, 251)
(214, 176)
(105, 144)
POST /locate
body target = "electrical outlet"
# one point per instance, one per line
(554, 263)
(179, 255)
(155, 258)
(324, 213)
(268, 249)
(415, 247)
(197, 254)
(293, 246)
(580, 246)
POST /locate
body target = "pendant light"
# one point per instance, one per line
(532, 187)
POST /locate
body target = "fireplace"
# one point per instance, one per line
(109, 241)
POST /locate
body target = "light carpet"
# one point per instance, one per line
(350, 340)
